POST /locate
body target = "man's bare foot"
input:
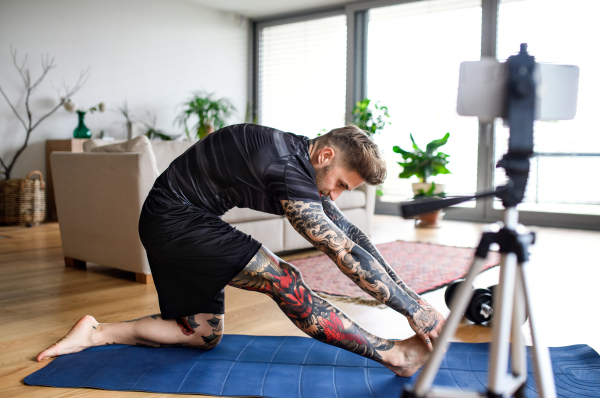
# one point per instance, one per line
(407, 356)
(78, 338)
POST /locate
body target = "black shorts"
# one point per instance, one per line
(192, 255)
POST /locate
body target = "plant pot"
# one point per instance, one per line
(426, 186)
(429, 220)
(205, 130)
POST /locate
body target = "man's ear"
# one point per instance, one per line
(326, 156)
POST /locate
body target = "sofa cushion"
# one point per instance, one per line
(351, 200)
(167, 151)
(238, 215)
(347, 200)
(140, 144)
(267, 232)
(89, 145)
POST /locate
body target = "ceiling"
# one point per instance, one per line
(257, 9)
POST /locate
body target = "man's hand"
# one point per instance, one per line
(427, 322)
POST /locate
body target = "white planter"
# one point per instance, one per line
(426, 186)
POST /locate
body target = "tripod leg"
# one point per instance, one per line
(501, 328)
(458, 306)
(541, 355)
(518, 348)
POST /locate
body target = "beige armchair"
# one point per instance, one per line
(99, 197)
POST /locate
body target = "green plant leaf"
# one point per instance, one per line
(415, 147)
(435, 144)
(431, 189)
(365, 119)
(441, 169)
(404, 153)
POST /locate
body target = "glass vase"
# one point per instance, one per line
(81, 131)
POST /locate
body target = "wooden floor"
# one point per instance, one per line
(40, 299)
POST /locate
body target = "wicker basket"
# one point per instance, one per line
(23, 201)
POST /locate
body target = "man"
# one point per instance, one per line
(194, 254)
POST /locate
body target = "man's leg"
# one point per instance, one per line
(316, 317)
(202, 331)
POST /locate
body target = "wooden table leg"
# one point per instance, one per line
(74, 263)
(144, 278)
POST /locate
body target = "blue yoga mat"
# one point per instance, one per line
(295, 367)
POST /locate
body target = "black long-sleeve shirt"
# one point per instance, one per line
(242, 165)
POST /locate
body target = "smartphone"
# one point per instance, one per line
(483, 84)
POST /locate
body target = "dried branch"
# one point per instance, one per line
(13, 108)
(83, 77)
(20, 68)
(47, 65)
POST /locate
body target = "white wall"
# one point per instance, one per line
(152, 53)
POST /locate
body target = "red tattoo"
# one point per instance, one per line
(295, 302)
(334, 330)
(186, 328)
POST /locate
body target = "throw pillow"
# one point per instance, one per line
(140, 144)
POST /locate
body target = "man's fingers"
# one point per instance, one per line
(427, 342)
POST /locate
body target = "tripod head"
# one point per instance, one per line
(519, 108)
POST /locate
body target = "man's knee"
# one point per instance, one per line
(267, 273)
(208, 332)
(292, 270)
(286, 273)
(205, 342)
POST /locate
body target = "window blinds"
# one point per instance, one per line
(302, 75)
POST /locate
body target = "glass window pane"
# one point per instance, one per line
(414, 54)
(302, 75)
(562, 178)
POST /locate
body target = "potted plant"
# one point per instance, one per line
(425, 164)
(371, 122)
(429, 219)
(152, 132)
(210, 112)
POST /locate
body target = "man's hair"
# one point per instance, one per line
(357, 152)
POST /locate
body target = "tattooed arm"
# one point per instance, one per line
(361, 239)
(360, 266)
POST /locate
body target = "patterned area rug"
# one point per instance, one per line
(423, 267)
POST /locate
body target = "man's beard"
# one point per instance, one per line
(320, 176)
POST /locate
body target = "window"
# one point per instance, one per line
(407, 57)
(414, 53)
(563, 174)
(302, 75)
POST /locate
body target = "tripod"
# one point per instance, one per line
(513, 288)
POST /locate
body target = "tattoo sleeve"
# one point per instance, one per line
(270, 275)
(361, 239)
(309, 219)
